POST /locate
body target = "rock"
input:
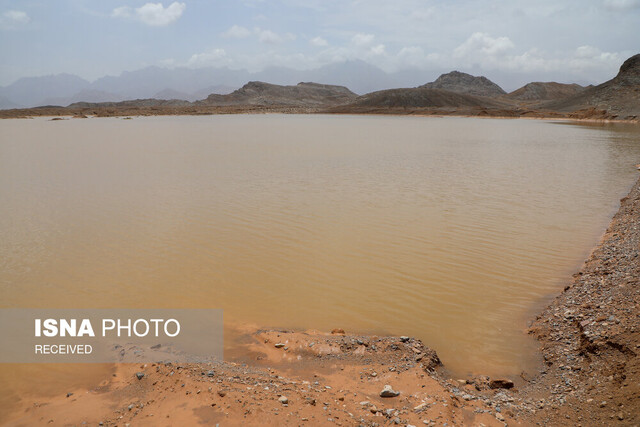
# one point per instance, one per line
(222, 393)
(387, 391)
(130, 407)
(420, 407)
(139, 375)
(210, 373)
(279, 345)
(501, 383)
(499, 416)
(404, 339)
(337, 331)
(283, 400)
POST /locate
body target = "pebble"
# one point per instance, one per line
(387, 391)
(279, 345)
(139, 375)
(283, 400)
(420, 407)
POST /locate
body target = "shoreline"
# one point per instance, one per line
(56, 113)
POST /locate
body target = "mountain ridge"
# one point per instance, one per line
(459, 82)
(618, 97)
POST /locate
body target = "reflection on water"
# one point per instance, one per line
(449, 230)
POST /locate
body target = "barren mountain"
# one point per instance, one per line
(545, 91)
(458, 82)
(132, 103)
(415, 99)
(300, 95)
(618, 97)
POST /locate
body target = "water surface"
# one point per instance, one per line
(447, 229)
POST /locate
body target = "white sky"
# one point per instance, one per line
(572, 40)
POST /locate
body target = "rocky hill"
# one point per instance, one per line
(545, 91)
(617, 98)
(397, 100)
(458, 82)
(300, 95)
(140, 103)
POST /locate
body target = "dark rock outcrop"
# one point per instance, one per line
(300, 95)
(545, 91)
(458, 82)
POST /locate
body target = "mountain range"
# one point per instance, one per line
(191, 84)
(451, 93)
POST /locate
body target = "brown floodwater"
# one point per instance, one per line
(452, 230)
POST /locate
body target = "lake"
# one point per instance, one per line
(451, 230)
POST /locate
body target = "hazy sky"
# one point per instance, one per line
(583, 40)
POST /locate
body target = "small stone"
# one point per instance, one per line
(373, 409)
(404, 339)
(279, 345)
(222, 393)
(69, 394)
(337, 331)
(130, 407)
(499, 416)
(139, 375)
(283, 400)
(387, 391)
(420, 407)
(210, 373)
(621, 416)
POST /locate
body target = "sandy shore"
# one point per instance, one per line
(61, 113)
(278, 378)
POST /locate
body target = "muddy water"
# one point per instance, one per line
(450, 230)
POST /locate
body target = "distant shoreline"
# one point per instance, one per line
(592, 115)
